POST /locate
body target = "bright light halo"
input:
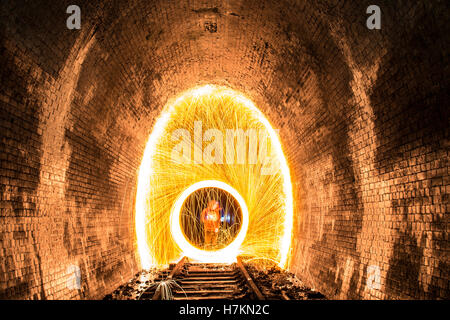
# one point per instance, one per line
(144, 228)
(227, 254)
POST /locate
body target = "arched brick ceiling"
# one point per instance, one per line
(78, 107)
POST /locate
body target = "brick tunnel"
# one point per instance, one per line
(362, 117)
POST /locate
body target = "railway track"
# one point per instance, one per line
(203, 281)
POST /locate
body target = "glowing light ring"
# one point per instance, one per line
(146, 170)
(227, 254)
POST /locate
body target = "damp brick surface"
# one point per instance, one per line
(363, 119)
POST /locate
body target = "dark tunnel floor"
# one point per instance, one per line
(276, 283)
(273, 282)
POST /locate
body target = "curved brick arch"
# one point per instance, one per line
(361, 116)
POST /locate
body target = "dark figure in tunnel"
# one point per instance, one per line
(210, 218)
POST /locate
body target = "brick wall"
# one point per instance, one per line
(362, 115)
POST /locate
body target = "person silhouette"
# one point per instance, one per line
(210, 217)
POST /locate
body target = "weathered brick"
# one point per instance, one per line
(362, 117)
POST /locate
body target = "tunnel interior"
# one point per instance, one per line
(362, 119)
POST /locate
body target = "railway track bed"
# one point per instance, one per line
(203, 281)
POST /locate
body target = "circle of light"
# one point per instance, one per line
(227, 254)
(146, 170)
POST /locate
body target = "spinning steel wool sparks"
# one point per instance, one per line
(227, 254)
(252, 168)
(196, 220)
